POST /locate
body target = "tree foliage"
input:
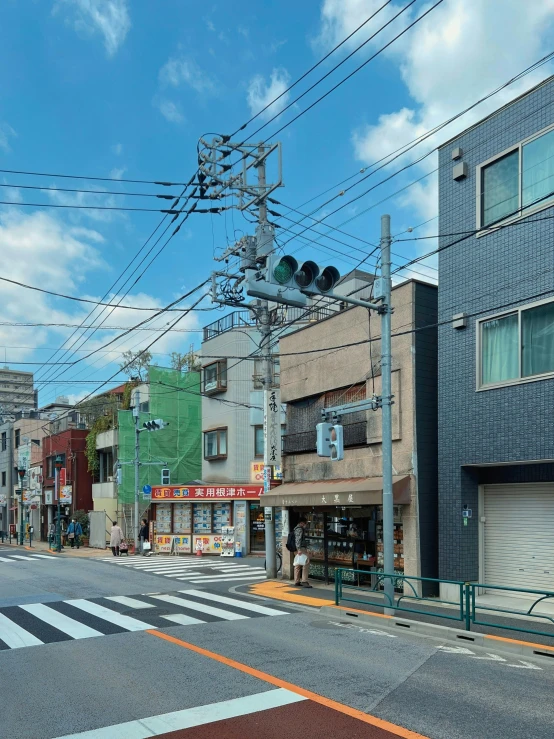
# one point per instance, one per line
(135, 364)
(187, 362)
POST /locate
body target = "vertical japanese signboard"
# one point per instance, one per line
(272, 427)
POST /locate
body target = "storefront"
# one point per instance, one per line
(345, 523)
(184, 516)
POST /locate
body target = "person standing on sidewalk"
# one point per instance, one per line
(143, 535)
(116, 537)
(74, 533)
(301, 570)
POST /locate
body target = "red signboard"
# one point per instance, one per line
(200, 492)
(62, 478)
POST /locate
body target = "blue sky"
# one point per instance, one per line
(113, 88)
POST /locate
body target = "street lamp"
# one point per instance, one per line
(21, 472)
(58, 463)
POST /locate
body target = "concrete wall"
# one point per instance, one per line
(478, 275)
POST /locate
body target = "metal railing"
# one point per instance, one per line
(465, 609)
(404, 601)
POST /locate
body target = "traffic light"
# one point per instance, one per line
(284, 280)
(337, 444)
(324, 439)
(155, 425)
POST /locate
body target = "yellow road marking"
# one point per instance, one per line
(287, 593)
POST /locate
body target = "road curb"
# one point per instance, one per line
(501, 643)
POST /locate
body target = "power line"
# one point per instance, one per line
(167, 211)
(88, 192)
(161, 183)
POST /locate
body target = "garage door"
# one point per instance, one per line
(519, 535)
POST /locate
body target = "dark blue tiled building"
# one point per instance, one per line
(496, 347)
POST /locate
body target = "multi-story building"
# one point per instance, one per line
(496, 347)
(17, 391)
(233, 397)
(343, 499)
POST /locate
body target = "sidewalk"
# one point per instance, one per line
(42, 546)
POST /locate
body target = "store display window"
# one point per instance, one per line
(197, 518)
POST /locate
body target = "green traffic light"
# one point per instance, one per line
(283, 272)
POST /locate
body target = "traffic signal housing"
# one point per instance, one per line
(323, 445)
(155, 425)
(337, 443)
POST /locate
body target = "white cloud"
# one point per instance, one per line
(117, 172)
(87, 199)
(110, 18)
(6, 133)
(458, 53)
(179, 71)
(171, 111)
(117, 149)
(261, 93)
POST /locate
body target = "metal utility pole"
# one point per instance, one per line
(386, 392)
(136, 411)
(267, 367)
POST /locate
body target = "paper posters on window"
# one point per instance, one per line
(66, 494)
(272, 427)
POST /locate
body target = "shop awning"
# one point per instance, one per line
(343, 492)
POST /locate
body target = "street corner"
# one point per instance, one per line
(286, 591)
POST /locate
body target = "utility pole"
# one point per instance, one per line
(136, 411)
(386, 420)
(267, 367)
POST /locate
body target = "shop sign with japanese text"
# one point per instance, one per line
(272, 427)
(203, 492)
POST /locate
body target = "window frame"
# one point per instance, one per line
(478, 343)
(17, 438)
(217, 431)
(4, 476)
(4, 441)
(221, 368)
(257, 427)
(548, 203)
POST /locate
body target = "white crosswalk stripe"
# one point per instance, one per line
(36, 624)
(60, 621)
(9, 557)
(194, 606)
(192, 569)
(127, 622)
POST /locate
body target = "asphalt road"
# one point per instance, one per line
(239, 670)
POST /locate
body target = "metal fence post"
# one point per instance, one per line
(337, 575)
(467, 613)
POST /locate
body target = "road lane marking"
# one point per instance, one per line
(131, 602)
(192, 605)
(226, 579)
(20, 556)
(182, 620)
(272, 680)
(43, 556)
(6, 559)
(60, 621)
(14, 636)
(234, 602)
(286, 592)
(126, 622)
(191, 717)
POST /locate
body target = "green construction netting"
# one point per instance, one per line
(174, 397)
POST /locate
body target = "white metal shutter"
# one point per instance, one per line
(519, 535)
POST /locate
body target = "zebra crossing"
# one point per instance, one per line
(8, 556)
(192, 569)
(36, 624)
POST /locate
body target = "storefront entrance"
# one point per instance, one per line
(257, 528)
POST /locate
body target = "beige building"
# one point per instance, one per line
(343, 499)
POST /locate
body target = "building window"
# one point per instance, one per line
(258, 441)
(3, 479)
(517, 182)
(517, 346)
(17, 438)
(215, 377)
(215, 444)
(50, 467)
(4, 441)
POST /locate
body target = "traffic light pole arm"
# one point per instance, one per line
(372, 404)
(347, 299)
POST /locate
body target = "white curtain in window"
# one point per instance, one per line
(499, 349)
(538, 170)
(537, 333)
(223, 442)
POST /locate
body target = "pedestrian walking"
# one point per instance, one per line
(116, 537)
(301, 560)
(74, 533)
(143, 535)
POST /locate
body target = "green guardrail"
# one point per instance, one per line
(464, 610)
(473, 608)
(400, 601)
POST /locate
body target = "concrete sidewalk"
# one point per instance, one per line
(43, 546)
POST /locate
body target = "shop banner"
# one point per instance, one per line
(48, 497)
(272, 427)
(211, 543)
(257, 472)
(166, 543)
(177, 492)
(240, 524)
(66, 494)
